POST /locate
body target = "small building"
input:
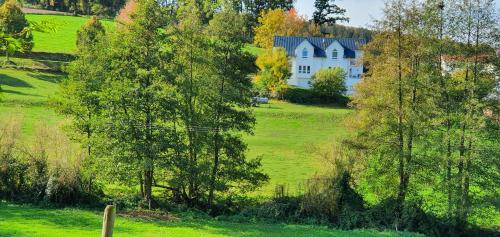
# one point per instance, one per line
(310, 54)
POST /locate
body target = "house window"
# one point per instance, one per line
(308, 69)
(304, 53)
(335, 54)
(300, 69)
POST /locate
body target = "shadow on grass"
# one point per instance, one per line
(18, 93)
(12, 81)
(53, 78)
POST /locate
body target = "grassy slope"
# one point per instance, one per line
(289, 136)
(63, 40)
(15, 219)
(24, 96)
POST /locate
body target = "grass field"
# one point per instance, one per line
(27, 221)
(287, 136)
(25, 96)
(63, 40)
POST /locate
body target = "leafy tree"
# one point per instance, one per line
(14, 25)
(327, 12)
(328, 82)
(90, 32)
(213, 99)
(231, 114)
(278, 22)
(274, 71)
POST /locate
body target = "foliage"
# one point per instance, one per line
(327, 12)
(274, 71)
(418, 121)
(48, 170)
(149, 113)
(90, 32)
(284, 23)
(14, 23)
(329, 82)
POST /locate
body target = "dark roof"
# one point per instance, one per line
(290, 43)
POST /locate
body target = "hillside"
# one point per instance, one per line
(63, 40)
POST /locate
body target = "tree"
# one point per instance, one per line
(14, 25)
(327, 12)
(231, 114)
(278, 22)
(274, 71)
(79, 93)
(89, 33)
(212, 87)
(329, 82)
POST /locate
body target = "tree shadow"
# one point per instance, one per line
(12, 81)
(18, 93)
(53, 78)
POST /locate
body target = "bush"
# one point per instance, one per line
(50, 170)
(305, 96)
(13, 22)
(329, 82)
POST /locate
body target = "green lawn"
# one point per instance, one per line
(63, 40)
(25, 97)
(289, 138)
(27, 221)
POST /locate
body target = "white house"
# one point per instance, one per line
(310, 54)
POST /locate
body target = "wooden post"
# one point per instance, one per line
(108, 221)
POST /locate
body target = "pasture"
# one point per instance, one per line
(63, 39)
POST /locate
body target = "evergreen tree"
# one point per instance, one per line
(89, 32)
(327, 12)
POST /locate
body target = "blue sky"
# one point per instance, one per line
(361, 12)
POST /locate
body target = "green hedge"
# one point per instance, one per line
(305, 96)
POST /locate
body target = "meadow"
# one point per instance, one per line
(63, 38)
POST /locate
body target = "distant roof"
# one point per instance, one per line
(290, 43)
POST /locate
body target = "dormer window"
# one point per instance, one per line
(305, 53)
(335, 54)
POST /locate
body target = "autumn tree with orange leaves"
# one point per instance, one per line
(283, 23)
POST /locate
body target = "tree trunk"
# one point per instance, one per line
(401, 169)
(148, 184)
(216, 141)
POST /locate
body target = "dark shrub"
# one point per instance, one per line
(306, 96)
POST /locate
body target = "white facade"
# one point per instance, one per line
(305, 63)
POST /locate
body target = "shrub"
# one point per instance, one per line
(49, 170)
(305, 96)
(329, 82)
(13, 22)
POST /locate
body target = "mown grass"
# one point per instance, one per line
(63, 39)
(25, 96)
(28, 221)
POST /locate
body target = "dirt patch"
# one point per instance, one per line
(28, 10)
(149, 215)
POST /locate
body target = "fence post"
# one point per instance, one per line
(108, 221)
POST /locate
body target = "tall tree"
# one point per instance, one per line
(327, 12)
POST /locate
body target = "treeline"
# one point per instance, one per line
(163, 104)
(426, 113)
